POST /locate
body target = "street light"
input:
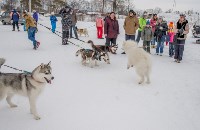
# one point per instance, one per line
(29, 6)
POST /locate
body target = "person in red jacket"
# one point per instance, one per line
(153, 22)
(99, 25)
(111, 29)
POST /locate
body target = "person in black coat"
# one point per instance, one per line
(66, 15)
(160, 33)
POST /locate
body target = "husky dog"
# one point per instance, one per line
(104, 55)
(138, 58)
(82, 31)
(29, 85)
(92, 56)
(87, 55)
(112, 49)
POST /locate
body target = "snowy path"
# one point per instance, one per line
(106, 97)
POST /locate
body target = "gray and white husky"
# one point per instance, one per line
(29, 85)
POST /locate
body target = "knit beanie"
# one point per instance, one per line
(171, 24)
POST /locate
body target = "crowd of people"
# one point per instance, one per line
(153, 32)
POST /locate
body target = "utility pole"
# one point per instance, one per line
(29, 6)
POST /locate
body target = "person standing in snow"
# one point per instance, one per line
(99, 25)
(107, 16)
(35, 16)
(142, 24)
(171, 39)
(111, 30)
(146, 36)
(181, 30)
(15, 18)
(31, 28)
(160, 33)
(66, 15)
(153, 22)
(131, 24)
(73, 26)
(53, 20)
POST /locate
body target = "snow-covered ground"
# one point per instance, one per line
(107, 97)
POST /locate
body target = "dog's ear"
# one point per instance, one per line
(49, 64)
(100, 58)
(42, 65)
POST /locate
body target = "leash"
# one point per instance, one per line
(61, 36)
(23, 71)
(60, 32)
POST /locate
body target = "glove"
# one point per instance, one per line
(181, 31)
(161, 28)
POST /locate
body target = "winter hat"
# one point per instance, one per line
(154, 15)
(131, 11)
(160, 17)
(182, 14)
(144, 14)
(52, 13)
(34, 11)
(148, 22)
(171, 24)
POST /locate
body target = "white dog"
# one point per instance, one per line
(138, 58)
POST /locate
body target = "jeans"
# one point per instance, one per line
(53, 26)
(160, 45)
(31, 35)
(15, 23)
(146, 46)
(110, 40)
(153, 41)
(179, 48)
(75, 31)
(171, 49)
(129, 37)
(138, 36)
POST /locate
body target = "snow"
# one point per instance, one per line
(106, 97)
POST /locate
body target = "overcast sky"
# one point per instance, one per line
(181, 5)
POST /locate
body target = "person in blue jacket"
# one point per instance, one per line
(53, 20)
(15, 18)
(35, 16)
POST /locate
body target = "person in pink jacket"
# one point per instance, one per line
(99, 25)
(171, 39)
(153, 22)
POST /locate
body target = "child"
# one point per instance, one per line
(147, 35)
(171, 38)
(31, 28)
(53, 20)
(99, 25)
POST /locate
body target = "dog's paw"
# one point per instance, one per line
(13, 106)
(37, 118)
(140, 82)
(148, 82)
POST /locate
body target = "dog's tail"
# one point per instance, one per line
(78, 52)
(2, 61)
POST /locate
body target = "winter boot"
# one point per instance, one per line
(35, 47)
